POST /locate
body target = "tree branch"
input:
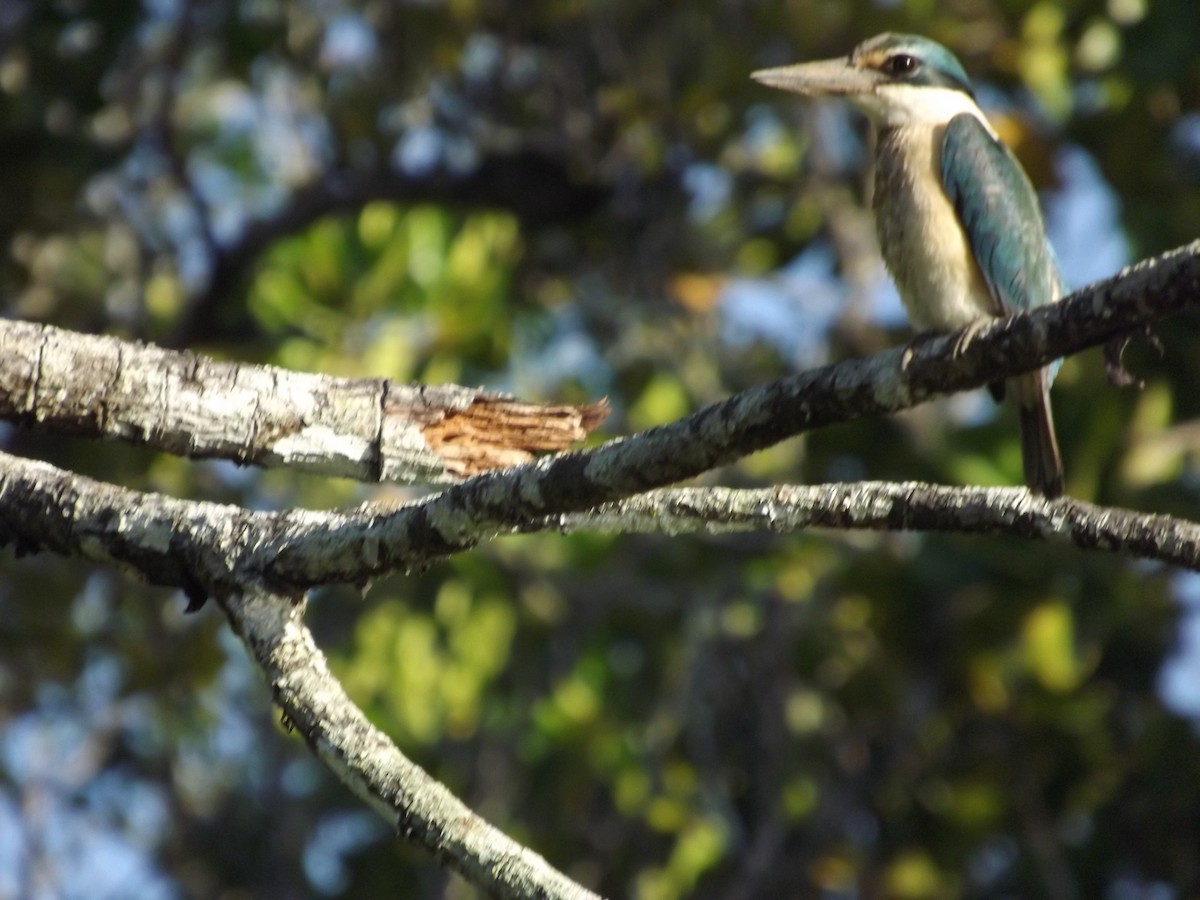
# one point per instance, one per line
(254, 561)
(191, 545)
(187, 544)
(268, 416)
(714, 436)
(421, 808)
(891, 506)
(205, 547)
(367, 429)
(212, 548)
(300, 550)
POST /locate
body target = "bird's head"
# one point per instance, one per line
(896, 79)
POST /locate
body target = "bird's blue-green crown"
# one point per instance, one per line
(912, 59)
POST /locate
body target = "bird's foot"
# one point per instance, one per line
(918, 341)
(964, 340)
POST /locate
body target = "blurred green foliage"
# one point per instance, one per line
(821, 715)
(417, 293)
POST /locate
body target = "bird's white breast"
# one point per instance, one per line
(922, 241)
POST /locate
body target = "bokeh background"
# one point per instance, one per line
(570, 200)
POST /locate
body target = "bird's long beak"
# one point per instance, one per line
(826, 78)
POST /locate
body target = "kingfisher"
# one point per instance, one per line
(957, 218)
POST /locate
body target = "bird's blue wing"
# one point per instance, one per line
(998, 210)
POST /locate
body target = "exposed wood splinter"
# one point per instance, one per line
(495, 431)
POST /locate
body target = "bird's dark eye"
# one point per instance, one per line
(901, 64)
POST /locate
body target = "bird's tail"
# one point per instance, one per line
(1039, 447)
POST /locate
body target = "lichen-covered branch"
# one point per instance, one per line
(216, 548)
(891, 506)
(418, 806)
(259, 564)
(207, 548)
(297, 550)
(720, 433)
(367, 429)
(198, 547)
(187, 544)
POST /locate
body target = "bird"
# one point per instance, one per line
(958, 221)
